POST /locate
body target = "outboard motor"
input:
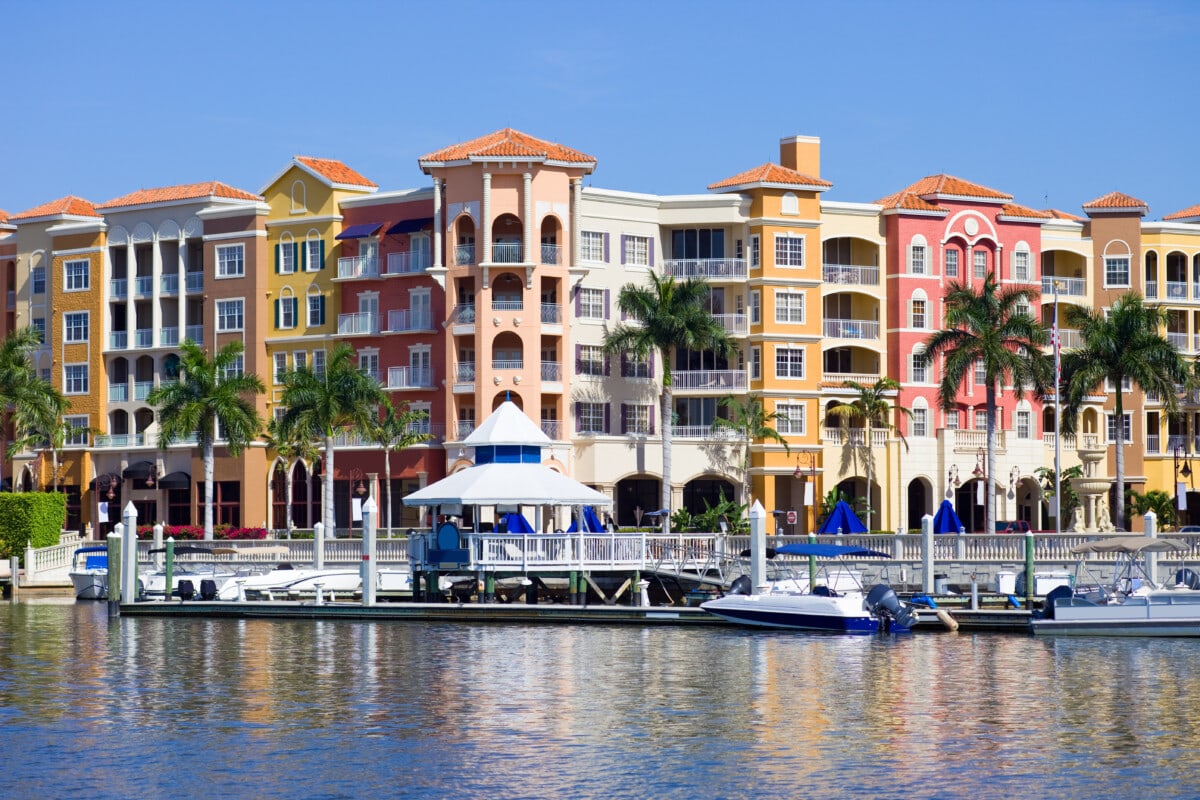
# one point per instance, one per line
(743, 585)
(1188, 578)
(1052, 599)
(883, 603)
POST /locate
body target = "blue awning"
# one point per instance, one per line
(410, 226)
(360, 231)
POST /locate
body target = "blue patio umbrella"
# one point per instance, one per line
(592, 523)
(946, 520)
(843, 519)
(516, 523)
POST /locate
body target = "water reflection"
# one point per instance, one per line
(348, 709)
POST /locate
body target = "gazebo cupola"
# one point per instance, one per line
(508, 437)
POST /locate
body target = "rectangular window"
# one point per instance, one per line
(313, 259)
(591, 303)
(980, 374)
(591, 246)
(1116, 272)
(1112, 427)
(318, 362)
(981, 420)
(635, 418)
(234, 368)
(1023, 425)
(637, 251)
(300, 359)
(77, 430)
(316, 310)
(755, 252)
(951, 263)
(951, 420)
(75, 379)
(980, 257)
(76, 326)
(591, 418)
(755, 307)
(789, 362)
(794, 424)
(280, 366)
(920, 368)
(918, 313)
(920, 422)
(76, 275)
(37, 276)
(1021, 265)
(789, 250)
(789, 307)
(591, 360)
(287, 258)
(39, 325)
(756, 363)
(287, 312)
(916, 260)
(633, 366)
(230, 315)
(231, 260)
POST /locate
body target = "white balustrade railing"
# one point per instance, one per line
(363, 322)
(1067, 287)
(358, 267)
(851, 329)
(711, 268)
(407, 263)
(735, 324)
(409, 377)
(850, 274)
(403, 320)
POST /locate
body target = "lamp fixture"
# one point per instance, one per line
(952, 478)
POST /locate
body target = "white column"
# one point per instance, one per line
(576, 237)
(130, 282)
(181, 269)
(527, 190)
(156, 271)
(437, 222)
(485, 221)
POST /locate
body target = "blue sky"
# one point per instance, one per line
(1054, 102)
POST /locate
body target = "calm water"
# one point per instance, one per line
(208, 709)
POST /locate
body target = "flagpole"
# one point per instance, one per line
(1058, 510)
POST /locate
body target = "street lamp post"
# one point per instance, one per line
(1184, 472)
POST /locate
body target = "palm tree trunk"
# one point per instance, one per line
(665, 412)
(209, 460)
(989, 521)
(330, 528)
(1118, 513)
(288, 493)
(387, 478)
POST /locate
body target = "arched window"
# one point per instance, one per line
(1021, 262)
(919, 424)
(918, 365)
(299, 197)
(918, 310)
(918, 256)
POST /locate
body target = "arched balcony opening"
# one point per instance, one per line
(850, 261)
(849, 315)
(507, 233)
(143, 378)
(852, 363)
(507, 292)
(1151, 274)
(464, 239)
(118, 381)
(1176, 276)
(551, 237)
(507, 352)
(501, 397)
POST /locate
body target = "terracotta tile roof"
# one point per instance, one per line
(769, 173)
(3, 215)
(75, 206)
(507, 143)
(1116, 200)
(335, 171)
(1054, 212)
(186, 191)
(1014, 210)
(1187, 213)
(943, 184)
(909, 202)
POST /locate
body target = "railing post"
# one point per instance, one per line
(114, 570)
(1029, 580)
(927, 553)
(369, 567)
(318, 545)
(758, 546)
(1151, 530)
(31, 566)
(14, 572)
(961, 544)
(129, 574)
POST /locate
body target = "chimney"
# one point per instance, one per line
(801, 153)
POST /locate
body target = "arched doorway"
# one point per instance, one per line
(638, 492)
(1029, 502)
(970, 512)
(706, 490)
(920, 502)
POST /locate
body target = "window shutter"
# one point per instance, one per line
(651, 430)
(578, 417)
(624, 420)
(623, 237)
(624, 365)
(276, 314)
(304, 257)
(909, 265)
(606, 365)
(606, 294)
(578, 302)
(321, 310)
(650, 250)
(276, 259)
(651, 363)
(322, 255)
(578, 361)
(606, 248)
(295, 255)
(607, 426)
(295, 301)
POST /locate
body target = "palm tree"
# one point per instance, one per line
(322, 404)
(1124, 344)
(750, 420)
(992, 328)
(394, 431)
(669, 316)
(210, 392)
(289, 448)
(872, 408)
(28, 401)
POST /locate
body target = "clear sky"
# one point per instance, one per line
(1055, 103)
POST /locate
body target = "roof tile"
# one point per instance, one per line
(1056, 214)
(335, 171)
(186, 191)
(507, 143)
(1117, 200)
(942, 184)
(769, 173)
(75, 206)
(1015, 210)
(1187, 213)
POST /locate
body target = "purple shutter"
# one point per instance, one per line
(624, 420)
(607, 427)
(578, 359)
(624, 365)
(651, 431)
(623, 237)
(605, 248)
(606, 294)
(651, 360)
(650, 250)
(578, 418)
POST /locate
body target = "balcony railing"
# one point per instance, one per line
(120, 440)
(850, 274)
(464, 254)
(1180, 340)
(118, 288)
(169, 284)
(1151, 288)
(118, 392)
(862, 378)
(118, 340)
(364, 322)
(409, 378)
(463, 314)
(143, 286)
(508, 363)
(1152, 443)
(195, 281)
(975, 439)
(506, 253)
(1069, 339)
(851, 329)
(736, 324)
(550, 255)
(407, 263)
(464, 372)
(854, 436)
(1067, 287)
(142, 389)
(710, 380)
(551, 428)
(1177, 290)
(195, 333)
(507, 304)
(358, 267)
(463, 429)
(168, 337)
(551, 314)
(403, 320)
(717, 268)
(144, 337)
(551, 371)
(707, 432)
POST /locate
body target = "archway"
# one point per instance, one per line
(920, 502)
(970, 512)
(638, 492)
(701, 490)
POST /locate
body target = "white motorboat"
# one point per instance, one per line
(280, 584)
(1133, 604)
(188, 572)
(89, 572)
(824, 608)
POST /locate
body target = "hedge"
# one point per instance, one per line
(196, 532)
(34, 518)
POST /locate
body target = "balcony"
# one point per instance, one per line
(507, 304)
(1177, 290)
(410, 378)
(850, 274)
(861, 378)
(551, 371)
(360, 324)
(407, 263)
(195, 282)
(552, 428)
(463, 314)
(169, 285)
(976, 440)
(407, 320)
(1180, 340)
(1152, 443)
(709, 380)
(118, 392)
(142, 389)
(1151, 289)
(464, 372)
(706, 432)
(734, 324)
(508, 363)
(357, 267)
(551, 314)
(1069, 339)
(551, 253)
(121, 440)
(710, 268)
(143, 337)
(195, 333)
(1067, 287)
(464, 255)
(463, 429)
(118, 288)
(506, 253)
(168, 337)
(143, 286)
(851, 329)
(118, 340)
(856, 437)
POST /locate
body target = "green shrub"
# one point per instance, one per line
(34, 518)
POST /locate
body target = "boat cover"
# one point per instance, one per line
(827, 550)
(1131, 544)
(842, 520)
